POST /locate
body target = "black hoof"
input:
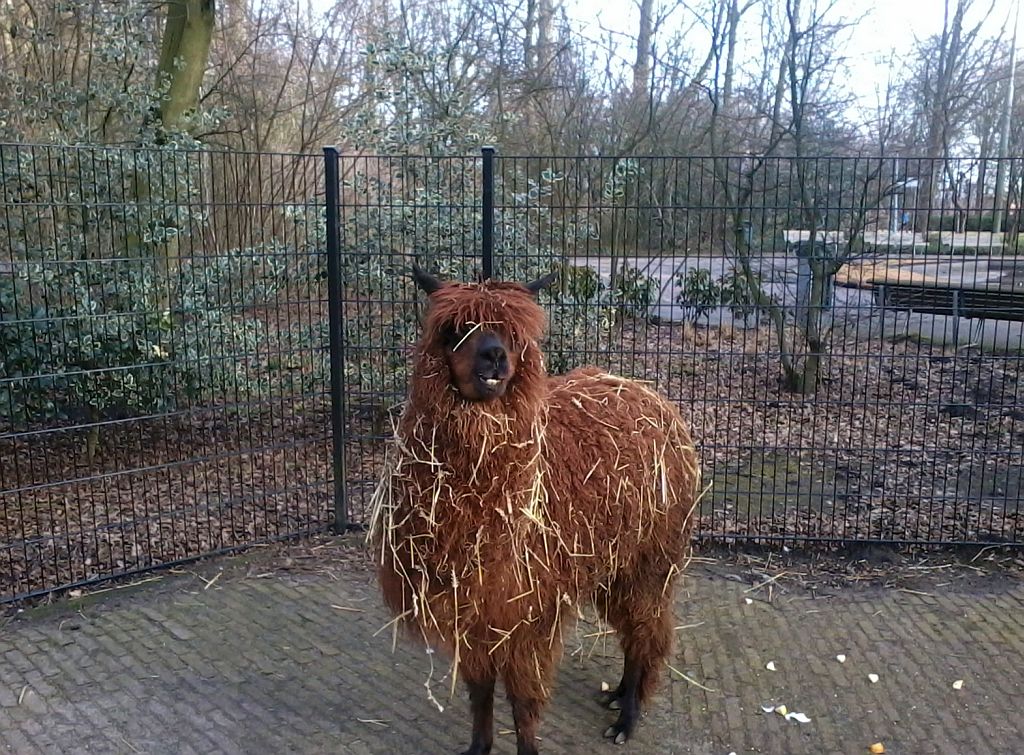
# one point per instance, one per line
(620, 731)
(616, 734)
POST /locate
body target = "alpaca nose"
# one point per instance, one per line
(494, 354)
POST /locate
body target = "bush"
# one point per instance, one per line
(737, 294)
(580, 284)
(85, 340)
(697, 293)
(99, 316)
(974, 221)
(633, 292)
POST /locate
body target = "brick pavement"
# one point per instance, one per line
(277, 661)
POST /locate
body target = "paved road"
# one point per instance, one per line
(854, 313)
(779, 275)
(271, 660)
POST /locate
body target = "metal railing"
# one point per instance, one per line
(825, 410)
(163, 359)
(205, 350)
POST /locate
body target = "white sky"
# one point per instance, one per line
(887, 26)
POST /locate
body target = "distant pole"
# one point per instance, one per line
(487, 235)
(337, 338)
(894, 202)
(1004, 127)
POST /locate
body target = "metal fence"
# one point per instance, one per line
(204, 350)
(871, 395)
(163, 358)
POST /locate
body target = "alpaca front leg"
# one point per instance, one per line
(528, 671)
(626, 700)
(645, 633)
(481, 703)
(526, 712)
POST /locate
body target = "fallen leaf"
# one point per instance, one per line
(770, 665)
(748, 600)
(782, 710)
(798, 717)
(873, 678)
(767, 708)
(841, 658)
(604, 686)
(958, 684)
(877, 748)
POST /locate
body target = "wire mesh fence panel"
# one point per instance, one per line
(394, 210)
(163, 385)
(843, 333)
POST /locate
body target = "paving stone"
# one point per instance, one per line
(267, 665)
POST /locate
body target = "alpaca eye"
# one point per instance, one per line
(452, 335)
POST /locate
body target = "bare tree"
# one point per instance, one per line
(945, 72)
(800, 101)
(286, 76)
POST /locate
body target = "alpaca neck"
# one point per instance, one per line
(478, 442)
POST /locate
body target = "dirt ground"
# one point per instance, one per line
(903, 441)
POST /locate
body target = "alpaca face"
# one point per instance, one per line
(482, 361)
(483, 331)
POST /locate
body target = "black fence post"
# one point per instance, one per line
(337, 341)
(487, 235)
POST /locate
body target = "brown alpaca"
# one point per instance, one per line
(512, 499)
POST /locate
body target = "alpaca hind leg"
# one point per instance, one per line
(627, 702)
(645, 632)
(528, 679)
(526, 713)
(481, 703)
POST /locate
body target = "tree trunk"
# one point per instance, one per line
(950, 49)
(184, 53)
(529, 28)
(1004, 132)
(806, 379)
(730, 55)
(545, 38)
(642, 64)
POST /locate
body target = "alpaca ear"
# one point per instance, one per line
(534, 287)
(425, 280)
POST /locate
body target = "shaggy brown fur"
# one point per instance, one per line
(497, 519)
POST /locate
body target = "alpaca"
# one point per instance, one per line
(512, 499)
